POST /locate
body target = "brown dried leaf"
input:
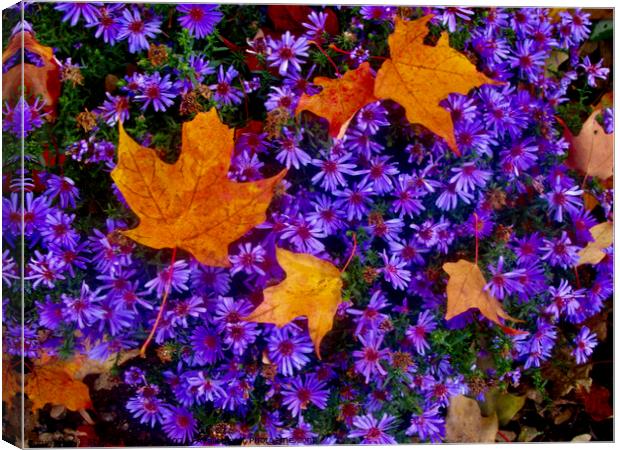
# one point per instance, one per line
(465, 424)
(592, 151)
(603, 235)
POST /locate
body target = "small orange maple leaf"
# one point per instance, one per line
(419, 76)
(603, 235)
(311, 289)
(592, 150)
(54, 384)
(340, 98)
(191, 204)
(43, 81)
(466, 290)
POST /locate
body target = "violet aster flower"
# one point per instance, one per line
(107, 22)
(355, 201)
(315, 26)
(332, 171)
(564, 301)
(59, 230)
(370, 317)
(429, 425)
(281, 97)
(608, 120)
(288, 348)
(528, 60)
(248, 259)
(73, 11)
(373, 431)
(594, 71)
(207, 345)
(148, 409)
(291, 153)
(136, 30)
(450, 196)
(560, 251)
(584, 345)
(207, 387)
(577, 22)
(562, 199)
(114, 108)
(23, 117)
(157, 92)
(178, 279)
(45, 269)
(223, 91)
(406, 203)
(200, 20)
(380, 174)
(179, 424)
(301, 392)
(503, 283)
(287, 53)
(326, 215)
(304, 235)
(527, 248)
(394, 271)
(450, 14)
(62, 188)
(238, 336)
(185, 308)
(50, 313)
(301, 434)
(368, 360)
(417, 334)
(520, 157)
(134, 376)
(210, 279)
(460, 107)
(378, 13)
(83, 309)
(468, 177)
(371, 117)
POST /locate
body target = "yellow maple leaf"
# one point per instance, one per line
(592, 151)
(311, 289)
(603, 235)
(191, 204)
(340, 98)
(466, 290)
(418, 76)
(53, 384)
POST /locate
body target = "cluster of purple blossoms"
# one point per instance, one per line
(410, 201)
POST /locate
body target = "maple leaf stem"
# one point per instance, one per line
(163, 305)
(328, 58)
(577, 277)
(476, 234)
(583, 184)
(351, 255)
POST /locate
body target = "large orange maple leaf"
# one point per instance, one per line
(419, 76)
(191, 204)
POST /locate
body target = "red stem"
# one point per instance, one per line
(339, 50)
(476, 233)
(328, 57)
(351, 255)
(577, 277)
(163, 304)
(503, 436)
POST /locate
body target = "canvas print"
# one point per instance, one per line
(237, 224)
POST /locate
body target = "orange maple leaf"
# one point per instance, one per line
(191, 204)
(11, 384)
(340, 98)
(592, 151)
(43, 81)
(54, 384)
(419, 76)
(466, 290)
(603, 235)
(311, 289)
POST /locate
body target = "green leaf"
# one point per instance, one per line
(602, 31)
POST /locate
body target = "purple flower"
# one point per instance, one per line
(248, 259)
(186, 308)
(84, 309)
(584, 345)
(281, 97)
(200, 20)
(370, 318)
(379, 13)
(416, 334)
(608, 120)
(179, 424)
(176, 275)
(304, 235)
(562, 199)
(291, 153)
(208, 388)
(332, 169)
(520, 157)
(62, 188)
(137, 30)
(223, 91)
(23, 117)
(286, 53)
(528, 59)
(207, 345)
(527, 248)
(449, 16)
(371, 117)
(326, 215)
(107, 23)
(469, 176)
(287, 348)
(394, 271)
(373, 431)
(503, 283)
(73, 11)
(577, 23)
(302, 434)
(560, 251)
(594, 71)
(149, 409)
(114, 108)
(450, 196)
(238, 336)
(58, 229)
(300, 393)
(316, 27)
(429, 425)
(368, 360)
(44, 269)
(210, 279)
(355, 201)
(379, 174)
(156, 91)
(50, 313)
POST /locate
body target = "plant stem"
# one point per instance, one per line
(476, 234)
(328, 58)
(163, 304)
(351, 255)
